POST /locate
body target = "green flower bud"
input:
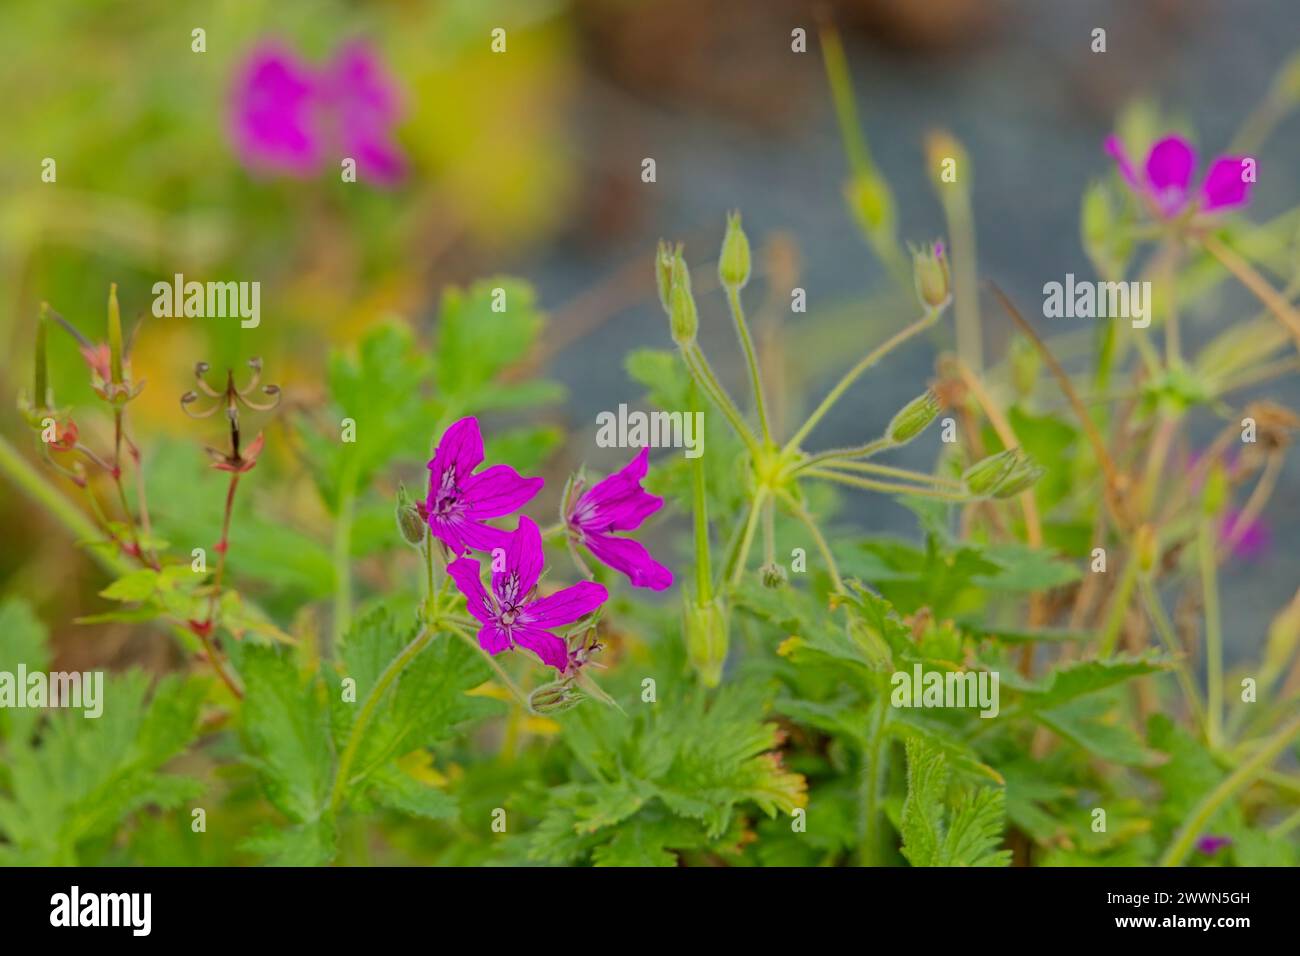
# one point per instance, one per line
(1024, 474)
(555, 698)
(682, 317)
(664, 257)
(913, 419)
(987, 473)
(705, 626)
(930, 275)
(772, 575)
(733, 263)
(871, 204)
(409, 522)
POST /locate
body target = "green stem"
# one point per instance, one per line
(884, 487)
(1166, 631)
(874, 764)
(492, 662)
(41, 490)
(846, 454)
(390, 674)
(703, 563)
(343, 556)
(1231, 785)
(871, 468)
(851, 376)
(751, 358)
(800, 512)
(737, 570)
(1213, 634)
(708, 382)
(1115, 621)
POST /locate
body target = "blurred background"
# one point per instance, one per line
(528, 163)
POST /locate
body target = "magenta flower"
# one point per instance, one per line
(511, 615)
(619, 503)
(290, 118)
(1166, 180)
(1210, 844)
(459, 501)
(1252, 538)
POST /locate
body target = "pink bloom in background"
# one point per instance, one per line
(1253, 538)
(289, 117)
(619, 503)
(1210, 845)
(511, 615)
(459, 501)
(1166, 178)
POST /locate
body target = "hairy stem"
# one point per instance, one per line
(751, 358)
(1213, 633)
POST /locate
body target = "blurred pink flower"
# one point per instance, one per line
(290, 118)
(619, 503)
(1253, 539)
(1166, 179)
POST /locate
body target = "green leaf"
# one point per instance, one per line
(1081, 678)
(311, 844)
(22, 641)
(976, 819)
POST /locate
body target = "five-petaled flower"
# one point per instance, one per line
(512, 615)
(619, 503)
(1166, 180)
(291, 118)
(459, 501)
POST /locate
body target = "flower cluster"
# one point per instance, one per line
(288, 117)
(511, 613)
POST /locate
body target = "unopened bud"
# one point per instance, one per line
(706, 639)
(871, 204)
(1024, 475)
(682, 317)
(409, 522)
(930, 275)
(987, 473)
(734, 263)
(664, 274)
(773, 576)
(913, 419)
(555, 698)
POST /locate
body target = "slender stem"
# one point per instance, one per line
(492, 662)
(1254, 504)
(1213, 633)
(800, 512)
(846, 454)
(851, 376)
(1115, 620)
(857, 481)
(1286, 826)
(871, 468)
(223, 546)
(1231, 785)
(769, 532)
(1166, 631)
(700, 507)
(390, 674)
(1256, 283)
(737, 569)
(751, 358)
(343, 556)
(874, 765)
(700, 369)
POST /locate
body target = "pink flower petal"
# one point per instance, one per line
(1170, 166)
(524, 561)
(465, 573)
(1115, 148)
(1224, 187)
(499, 490)
(630, 558)
(545, 645)
(461, 448)
(493, 639)
(564, 607)
(275, 119)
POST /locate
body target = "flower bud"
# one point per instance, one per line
(1024, 474)
(913, 419)
(987, 473)
(555, 698)
(706, 639)
(664, 274)
(733, 263)
(772, 575)
(682, 317)
(871, 204)
(409, 521)
(930, 275)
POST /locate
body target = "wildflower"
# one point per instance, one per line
(1250, 538)
(511, 615)
(1166, 180)
(619, 503)
(1210, 844)
(290, 118)
(460, 501)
